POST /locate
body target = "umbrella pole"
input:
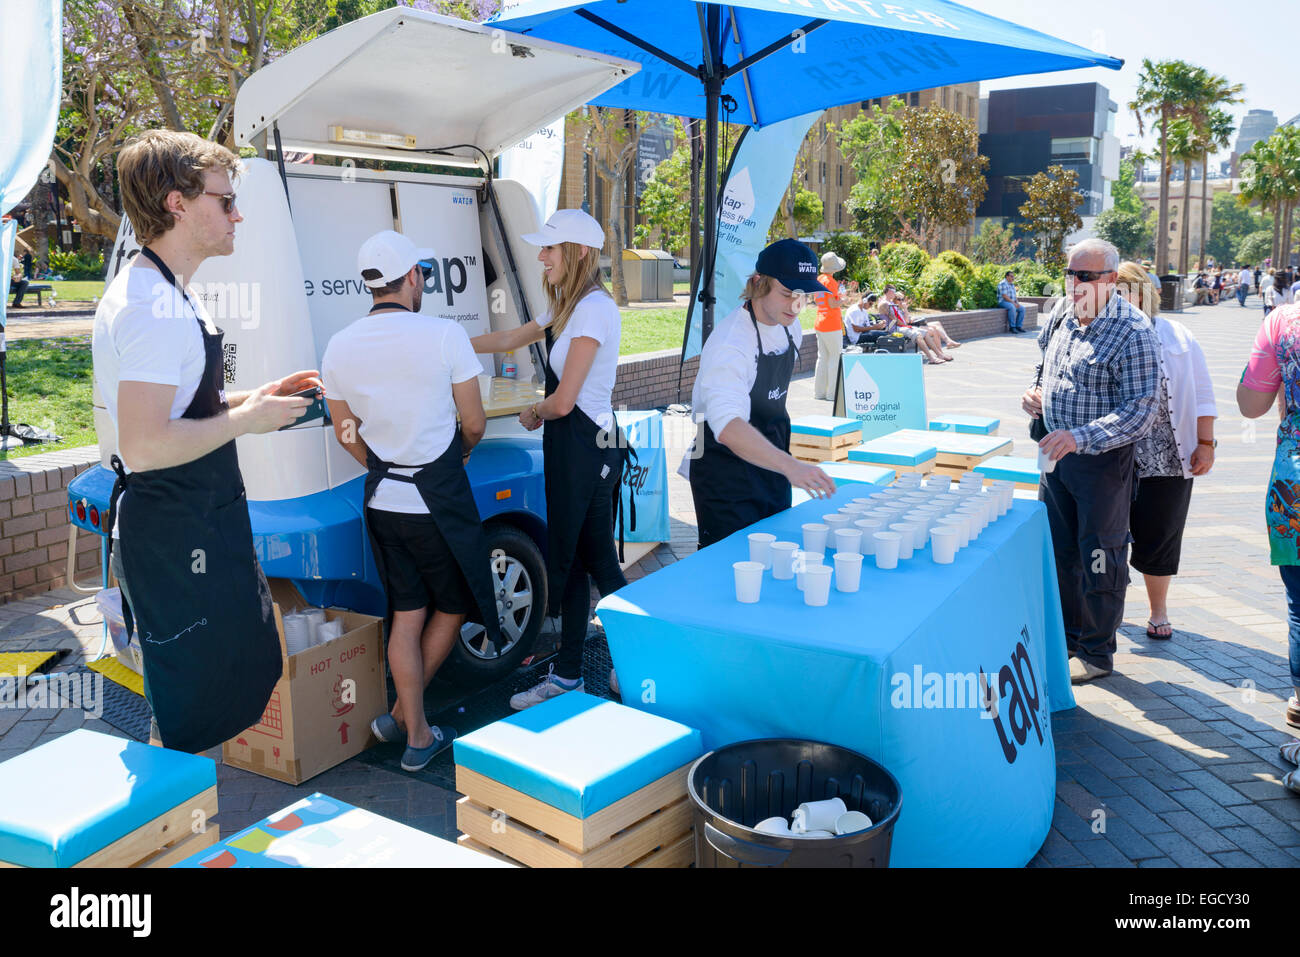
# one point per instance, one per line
(713, 93)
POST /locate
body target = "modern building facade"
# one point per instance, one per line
(1255, 126)
(1027, 130)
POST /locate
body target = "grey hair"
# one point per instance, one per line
(1095, 245)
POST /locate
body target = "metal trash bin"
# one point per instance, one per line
(1171, 293)
(735, 787)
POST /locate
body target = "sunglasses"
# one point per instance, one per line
(227, 200)
(426, 269)
(1088, 275)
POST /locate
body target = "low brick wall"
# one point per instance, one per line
(34, 523)
(978, 323)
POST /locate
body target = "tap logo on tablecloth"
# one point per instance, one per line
(1017, 701)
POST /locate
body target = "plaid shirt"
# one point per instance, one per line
(1100, 381)
(1007, 290)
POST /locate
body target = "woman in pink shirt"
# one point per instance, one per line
(1273, 375)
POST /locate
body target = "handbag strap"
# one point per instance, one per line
(1038, 380)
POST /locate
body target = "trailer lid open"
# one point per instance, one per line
(442, 80)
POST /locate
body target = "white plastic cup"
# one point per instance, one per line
(964, 527)
(814, 536)
(940, 483)
(848, 571)
(954, 522)
(943, 544)
(817, 815)
(906, 537)
(851, 822)
(773, 825)
(811, 835)
(887, 548)
(920, 518)
(760, 548)
(869, 527)
(485, 387)
(976, 518)
(854, 509)
(836, 520)
(783, 559)
(809, 560)
(1045, 463)
(749, 581)
(863, 501)
(848, 540)
(817, 585)
(910, 479)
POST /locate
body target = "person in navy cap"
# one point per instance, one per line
(740, 467)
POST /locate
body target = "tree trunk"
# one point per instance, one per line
(1205, 204)
(617, 187)
(1277, 232)
(1184, 240)
(89, 208)
(1162, 224)
(1286, 234)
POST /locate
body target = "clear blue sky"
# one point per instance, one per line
(1234, 41)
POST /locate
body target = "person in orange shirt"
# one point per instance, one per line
(829, 326)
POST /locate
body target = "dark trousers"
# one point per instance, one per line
(19, 289)
(596, 559)
(1088, 499)
(1291, 579)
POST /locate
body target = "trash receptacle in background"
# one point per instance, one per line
(1171, 293)
(648, 274)
(735, 787)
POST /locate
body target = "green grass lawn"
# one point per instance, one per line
(650, 330)
(49, 386)
(78, 290)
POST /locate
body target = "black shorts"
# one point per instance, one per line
(419, 567)
(1156, 521)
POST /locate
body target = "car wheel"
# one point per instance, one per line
(519, 583)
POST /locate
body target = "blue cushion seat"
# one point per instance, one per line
(578, 753)
(76, 795)
(824, 425)
(970, 424)
(889, 450)
(1010, 468)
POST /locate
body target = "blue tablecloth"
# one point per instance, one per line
(886, 671)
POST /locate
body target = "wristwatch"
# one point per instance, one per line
(1212, 443)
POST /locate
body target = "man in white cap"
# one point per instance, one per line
(397, 379)
(829, 326)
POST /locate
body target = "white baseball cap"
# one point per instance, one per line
(392, 254)
(569, 226)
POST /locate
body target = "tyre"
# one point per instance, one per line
(519, 581)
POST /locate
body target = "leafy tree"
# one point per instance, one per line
(852, 248)
(1131, 233)
(959, 264)
(904, 259)
(809, 211)
(995, 243)
(1052, 212)
(939, 287)
(609, 140)
(1123, 189)
(1256, 247)
(920, 164)
(1230, 223)
(666, 202)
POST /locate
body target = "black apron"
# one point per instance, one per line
(574, 457)
(207, 629)
(445, 490)
(730, 493)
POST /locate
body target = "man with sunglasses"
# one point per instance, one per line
(740, 467)
(397, 380)
(182, 548)
(1098, 396)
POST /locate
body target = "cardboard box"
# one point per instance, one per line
(320, 711)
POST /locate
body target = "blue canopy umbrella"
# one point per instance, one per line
(775, 59)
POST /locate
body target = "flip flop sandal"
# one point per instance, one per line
(1290, 751)
(1154, 634)
(1293, 712)
(1292, 780)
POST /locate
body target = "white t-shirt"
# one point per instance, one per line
(729, 368)
(595, 317)
(146, 332)
(395, 371)
(858, 316)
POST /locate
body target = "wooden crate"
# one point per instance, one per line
(805, 453)
(649, 828)
(168, 838)
(823, 448)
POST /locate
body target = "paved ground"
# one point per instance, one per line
(1176, 754)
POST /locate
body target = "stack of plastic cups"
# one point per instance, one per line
(297, 633)
(315, 618)
(329, 630)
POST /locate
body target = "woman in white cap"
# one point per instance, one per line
(740, 467)
(584, 455)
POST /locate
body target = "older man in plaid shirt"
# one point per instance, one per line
(1101, 372)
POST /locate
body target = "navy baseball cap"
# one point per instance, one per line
(792, 264)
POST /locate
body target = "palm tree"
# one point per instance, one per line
(1207, 91)
(1183, 147)
(1217, 134)
(1262, 183)
(1165, 91)
(1287, 147)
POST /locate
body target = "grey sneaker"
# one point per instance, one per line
(386, 730)
(1081, 671)
(549, 687)
(417, 759)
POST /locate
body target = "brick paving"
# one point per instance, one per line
(1171, 762)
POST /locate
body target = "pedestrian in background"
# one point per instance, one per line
(829, 326)
(1179, 446)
